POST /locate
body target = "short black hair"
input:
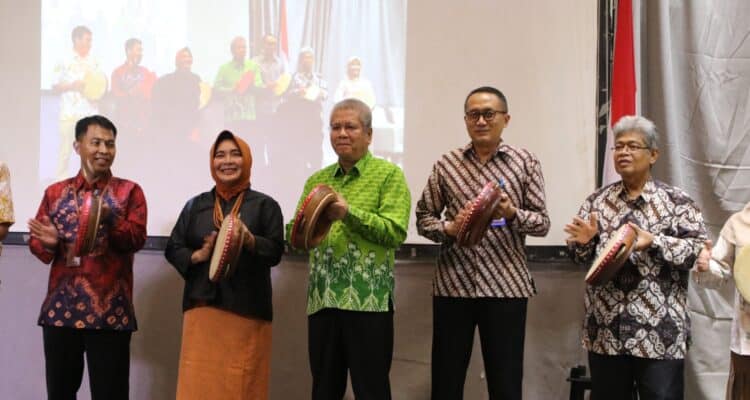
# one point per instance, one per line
(78, 32)
(130, 43)
(83, 125)
(488, 89)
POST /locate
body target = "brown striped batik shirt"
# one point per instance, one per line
(496, 267)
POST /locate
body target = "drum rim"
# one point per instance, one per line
(219, 272)
(299, 218)
(86, 235)
(491, 190)
(92, 232)
(299, 236)
(624, 234)
(327, 199)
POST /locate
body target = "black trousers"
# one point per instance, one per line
(613, 378)
(502, 327)
(107, 357)
(360, 342)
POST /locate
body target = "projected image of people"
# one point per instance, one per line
(355, 86)
(236, 85)
(192, 69)
(274, 74)
(276, 81)
(176, 99)
(301, 113)
(80, 83)
(131, 89)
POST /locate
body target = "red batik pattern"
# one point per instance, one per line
(98, 293)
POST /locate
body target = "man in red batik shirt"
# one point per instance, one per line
(89, 306)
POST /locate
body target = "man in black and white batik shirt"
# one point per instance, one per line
(636, 326)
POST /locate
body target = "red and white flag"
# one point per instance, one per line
(283, 34)
(622, 94)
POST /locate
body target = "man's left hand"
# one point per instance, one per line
(644, 239)
(337, 210)
(505, 209)
(249, 238)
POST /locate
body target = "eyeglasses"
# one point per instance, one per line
(629, 147)
(488, 115)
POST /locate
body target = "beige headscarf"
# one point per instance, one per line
(737, 228)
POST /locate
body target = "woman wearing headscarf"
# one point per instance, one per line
(226, 335)
(715, 267)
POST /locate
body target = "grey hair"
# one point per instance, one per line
(630, 123)
(365, 114)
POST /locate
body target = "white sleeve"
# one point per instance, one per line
(719, 266)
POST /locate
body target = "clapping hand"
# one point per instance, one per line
(581, 231)
(338, 209)
(204, 253)
(44, 231)
(248, 238)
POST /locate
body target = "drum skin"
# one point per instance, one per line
(741, 272)
(205, 94)
(94, 85)
(311, 225)
(227, 249)
(282, 84)
(474, 226)
(613, 256)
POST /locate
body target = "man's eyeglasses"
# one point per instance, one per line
(629, 147)
(488, 115)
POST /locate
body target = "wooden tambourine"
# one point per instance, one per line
(94, 85)
(227, 249)
(89, 219)
(205, 94)
(311, 225)
(282, 84)
(475, 224)
(247, 80)
(741, 272)
(312, 93)
(613, 256)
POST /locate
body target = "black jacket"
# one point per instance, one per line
(248, 291)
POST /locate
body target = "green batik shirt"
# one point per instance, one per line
(352, 269)
(238, 106)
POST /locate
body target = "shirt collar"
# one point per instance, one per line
(78, 57)
(502, 147)
(649, 188)
(273, 59)
(79, 182)
(357, 168)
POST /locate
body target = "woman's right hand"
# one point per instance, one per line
(701, 263)
(204, 253)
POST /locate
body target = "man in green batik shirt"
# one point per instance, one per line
(350, 293)
(237, 83)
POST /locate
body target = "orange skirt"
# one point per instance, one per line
(224, 356)
(738, 387)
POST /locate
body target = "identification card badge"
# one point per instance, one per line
(72, 260)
